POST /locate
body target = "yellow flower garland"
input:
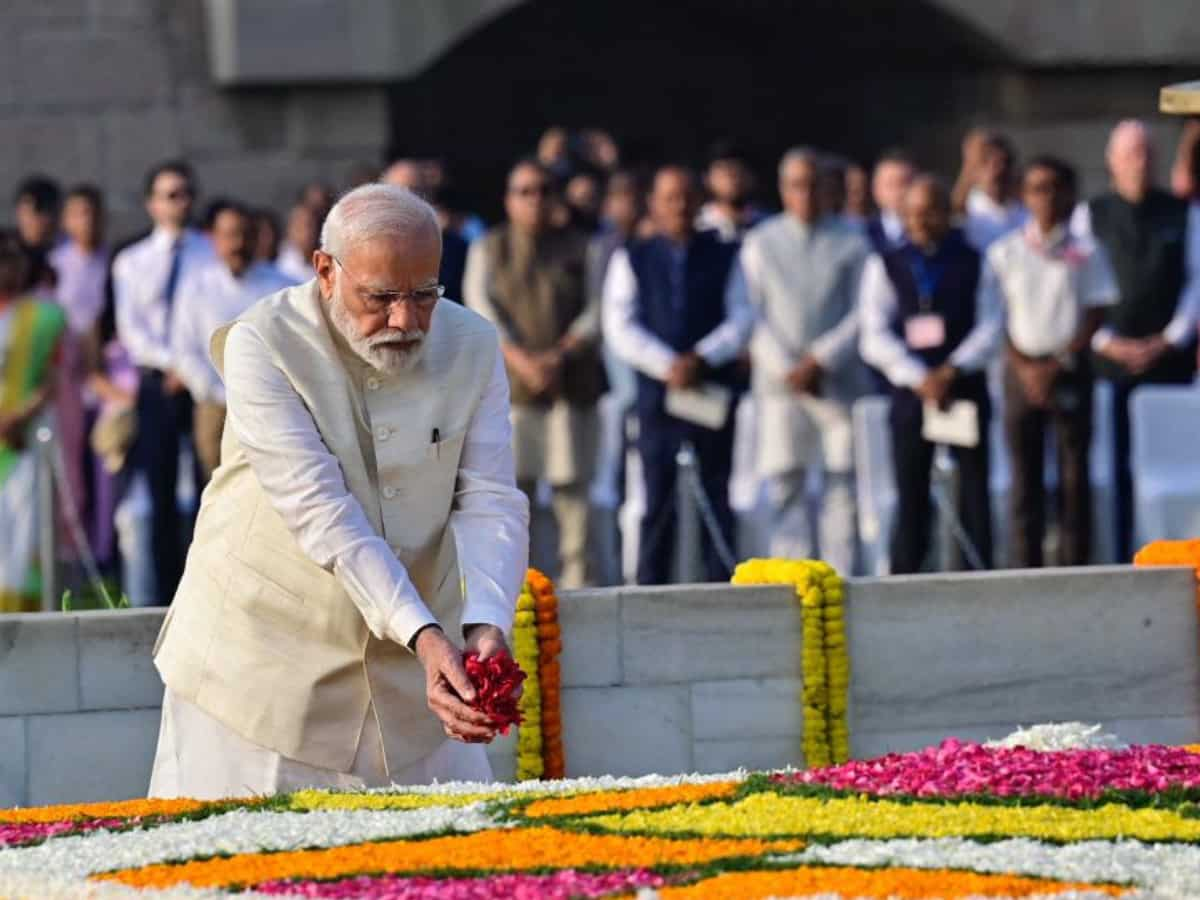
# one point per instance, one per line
(526, 652)
(825, 663)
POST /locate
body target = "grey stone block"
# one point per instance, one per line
(708, 632)
(69, 67)
(13, 764)
(626, 731)
(760, 754)
(39, 663)
(591, 636)
(116, 668)
(746, 710)
(322, 119)
(940, 653)
(91, 756)
(215, 122)
(134, 141)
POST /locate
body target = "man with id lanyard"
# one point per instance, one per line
(923, 328)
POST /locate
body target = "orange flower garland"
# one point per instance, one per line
(549, 672)
(119, 809)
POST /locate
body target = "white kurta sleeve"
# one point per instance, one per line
(490, 517)
(982, 341)
(878, 344)
(723, 344)
(303, 481)
(628, 338)
(477, 277)
(768, 353)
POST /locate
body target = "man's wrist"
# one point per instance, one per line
(412, 642)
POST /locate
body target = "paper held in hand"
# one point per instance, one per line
(706, 405)
(957, 425)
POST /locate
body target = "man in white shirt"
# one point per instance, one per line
(668, 312)
(801, 271)
(893, 174)
(924, 325)
(210, 296)
(300, 240)
(364, 526)
(146, 276)
(1051, 288)
(992, 207)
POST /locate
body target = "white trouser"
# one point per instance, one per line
(792, 532)
(202, 758)
(134, 523)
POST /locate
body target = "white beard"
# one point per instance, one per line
(391, 351)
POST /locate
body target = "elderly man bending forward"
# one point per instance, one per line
(363, 518)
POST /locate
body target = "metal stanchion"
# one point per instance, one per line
(47, 534)
(689, 567)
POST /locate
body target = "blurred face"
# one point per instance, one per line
(318, 197)
(798, 188)
(673, 204)
(36, 227)
(1129, 161)
(233, 240)
(302, 229)
(266, 239)
(858, 201)
(374, 297)
(1049, 202)
(995, 170)
(622, 206)
(81, 221)
(527, 199)
(583, 195)
(405, 173)
(890, 183)
(729, 182)
(552, 148)
(170, 201)
(926, 214)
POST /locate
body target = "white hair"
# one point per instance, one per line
(375, 210)
(807, 155)
(1125, 129)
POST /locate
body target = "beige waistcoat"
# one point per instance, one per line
(261, 637)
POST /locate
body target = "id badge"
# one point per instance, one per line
(925, 332)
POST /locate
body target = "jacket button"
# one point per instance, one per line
(372, 383)
(383, 432)
(390, 492)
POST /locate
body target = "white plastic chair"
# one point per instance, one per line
(875, 482)
(1165, 434)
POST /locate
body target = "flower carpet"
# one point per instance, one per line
(957, 820)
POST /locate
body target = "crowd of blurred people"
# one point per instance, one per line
(663, 297)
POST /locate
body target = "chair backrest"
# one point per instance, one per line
(1165, 432)
(875, 479)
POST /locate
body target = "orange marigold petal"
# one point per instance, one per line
(642, 798)
(508, 849)
(119, 809)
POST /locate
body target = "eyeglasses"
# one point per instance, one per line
(378, 302)
(176, 195)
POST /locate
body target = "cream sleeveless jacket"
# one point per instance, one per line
(261, 637)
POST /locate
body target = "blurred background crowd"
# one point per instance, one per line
(705, 362)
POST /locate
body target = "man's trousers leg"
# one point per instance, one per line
(572, 511)
(658, 442)
(1073, 433)
(1025, 433)
(974, 493)
(1122, 476)
(837, 522)
(912, 457)
(791, 531)
(162, 419)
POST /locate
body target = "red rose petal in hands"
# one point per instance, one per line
(496, 680)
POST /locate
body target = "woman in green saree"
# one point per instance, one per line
(30, 330)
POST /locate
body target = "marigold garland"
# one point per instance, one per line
(824, 662)
(537, 643)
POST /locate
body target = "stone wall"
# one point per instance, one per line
(99, 90)
(696, 677)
